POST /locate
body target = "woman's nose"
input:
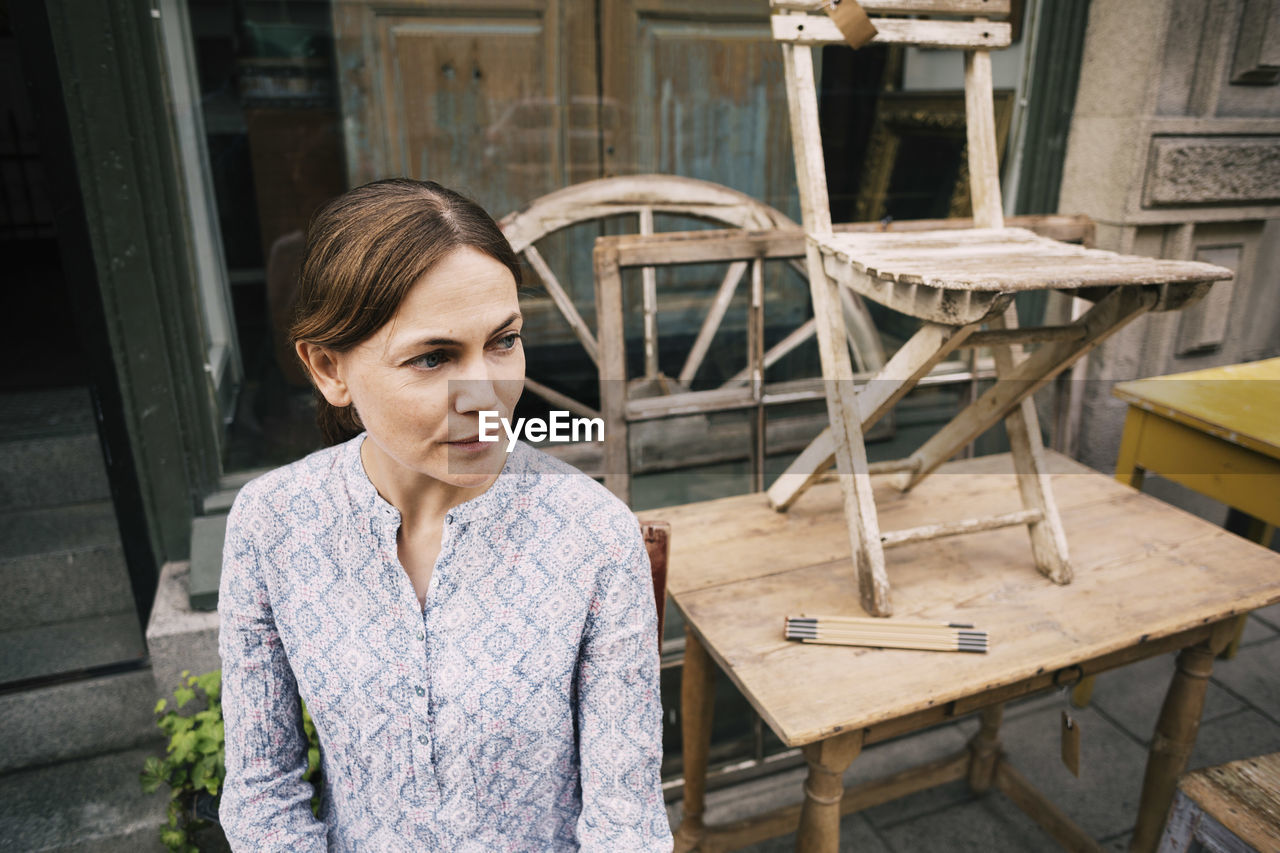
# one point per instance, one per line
(474, 390)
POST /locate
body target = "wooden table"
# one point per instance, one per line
(1233, 807)
(1150, 579)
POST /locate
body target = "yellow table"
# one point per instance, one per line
(1149, 579)
(1216, 431)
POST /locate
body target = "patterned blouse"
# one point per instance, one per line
(518, 710)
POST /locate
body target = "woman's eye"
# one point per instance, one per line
(508, 341)
(430, 361)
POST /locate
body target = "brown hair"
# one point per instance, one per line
(365, 249)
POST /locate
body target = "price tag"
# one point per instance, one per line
(1071, 743)
(852, 21)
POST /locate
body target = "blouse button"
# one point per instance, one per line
(421, 636)
(422, 739)
(420, 691)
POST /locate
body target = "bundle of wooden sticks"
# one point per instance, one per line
(886, 633)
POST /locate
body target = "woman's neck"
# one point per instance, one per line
(418, 497)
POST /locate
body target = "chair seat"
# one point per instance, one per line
(957, 277)
(1003, 260)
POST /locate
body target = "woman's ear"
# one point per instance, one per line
(326, 372)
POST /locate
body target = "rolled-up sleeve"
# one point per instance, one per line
(265, 803)
(620, 711)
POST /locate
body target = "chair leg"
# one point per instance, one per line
(1048, 539)
(1111, 313)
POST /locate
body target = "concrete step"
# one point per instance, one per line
(77, 719)
(61, 564)
(90, 804)
(56, 411)
(71, 645)
(56, 529)
(52, 471)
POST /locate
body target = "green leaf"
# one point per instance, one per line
(161, 705)
(184, 695)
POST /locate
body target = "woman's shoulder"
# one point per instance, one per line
(312, 475)
(566, 490)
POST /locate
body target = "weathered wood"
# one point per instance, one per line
(806, 30)
(1104, 319)
(846, 428)
(990, 8)
(697, 700)
(980, 130)
(820, 816)
(1242, 797)
(711, 323)
(929, 532)
(564, 401)
(741, 833)
(733, 551)
(794, 339)
(736, 550)
(562, 302)
(755, 363)
(649, 302)
(1048, 541)
(925, 349)
(1003, 260)
(1031, 334)
(684, 247)
(985, 750)
(1041, 809)
(1175, 735)
(613, 370)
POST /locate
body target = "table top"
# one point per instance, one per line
(1144, 570)
(1243, 796)
(1237, 403)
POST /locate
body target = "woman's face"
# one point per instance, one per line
(420, 382)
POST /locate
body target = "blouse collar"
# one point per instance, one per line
(365, 498)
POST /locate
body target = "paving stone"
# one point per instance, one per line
(1132, 695)
(987, 825)
(1269, 615)
(901, 754)
(1240, 735)
(1104, 800)
(855, 834)
(1252, 675)
(1257, 631)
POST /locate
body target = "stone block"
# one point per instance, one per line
(178, 637)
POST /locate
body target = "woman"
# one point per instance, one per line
(473, 632)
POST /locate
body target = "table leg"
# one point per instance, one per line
(697, 699)
(820, 815)
(1255, 530)
(984, 750)
(1175, 735)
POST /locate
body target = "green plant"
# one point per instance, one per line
(194, 763)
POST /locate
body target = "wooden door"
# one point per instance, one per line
(495, 98)
(700, 92)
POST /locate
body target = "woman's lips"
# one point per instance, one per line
(471, 445)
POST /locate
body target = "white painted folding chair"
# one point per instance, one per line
(956, 283)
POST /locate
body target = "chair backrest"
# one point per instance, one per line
(961, 24)
(657, 541)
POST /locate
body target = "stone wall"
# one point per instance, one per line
(1175, 152)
